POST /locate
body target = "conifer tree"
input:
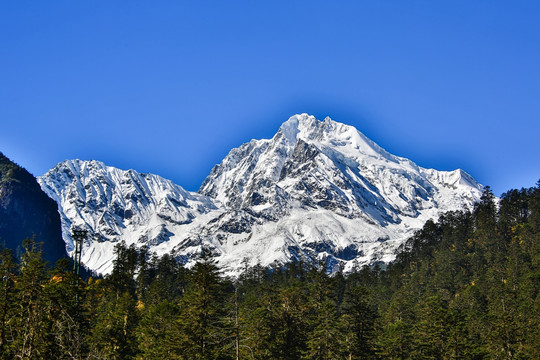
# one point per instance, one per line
(125, 268)
(7, 299)
(28, 322)
(199, 331)
(357, 324)
(323, 337)
(290, 316)
(155, 333)
(116, 318)
(114, 335)
(431, 331)
(167, 280)
(64, 314)
(260, 321)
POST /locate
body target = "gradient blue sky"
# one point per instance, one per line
(169, 87)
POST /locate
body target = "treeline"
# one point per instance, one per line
(464, 287)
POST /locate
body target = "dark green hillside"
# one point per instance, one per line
(464, 287)
(26, 212)
(468, 285)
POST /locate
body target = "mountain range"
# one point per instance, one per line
(317, 190)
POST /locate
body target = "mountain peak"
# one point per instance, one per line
(315, 190)
(119, 205)
(298, 124)
(331, 134)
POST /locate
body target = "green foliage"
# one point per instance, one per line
(463, 287)
(114, 335)
(156, 332)
(199, 330)
(467, 286)
(357, 324)
(11, 172)
(7, 299)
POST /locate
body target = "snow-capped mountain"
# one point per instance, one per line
(116, 205)
(322, 189)
(316, 190)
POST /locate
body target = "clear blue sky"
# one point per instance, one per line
(169, 87)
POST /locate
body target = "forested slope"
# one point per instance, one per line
(464, 287)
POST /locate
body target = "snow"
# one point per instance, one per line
(316, 189)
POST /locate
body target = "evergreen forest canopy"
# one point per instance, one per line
(464, 287)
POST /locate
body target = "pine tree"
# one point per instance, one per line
(323, 337)
(7, 299)
(357, 324)
(167, 280)
(125, 268)
(64, 313)
(155, 333)
(29, 323)
(431, 331)
(396, 339)
(199, 331)
(114, 334)
(290, 326)
(260, 324)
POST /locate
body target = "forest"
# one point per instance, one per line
(463, 287)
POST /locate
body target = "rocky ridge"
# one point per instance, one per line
(316, 190)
